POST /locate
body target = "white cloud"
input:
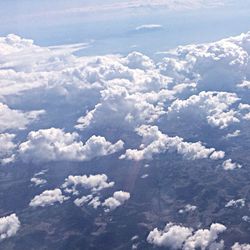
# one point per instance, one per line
(229, 165)
(57, 73)
(133, 91)
(244, 84)
(215, 66)
(56, 145)
(216, 155)
(172, 236)
(133, 88)
(244, 106)
(155, 142)
(47, 198)
(214, 107)
(126, 110)
(118, 199)
(93, 199)
(238, 246)
(30, 71)
(148, 27)
(38, 181)
(7, 147)
(233, 134)
(236, 203)
(180, 237)
(16, 119)
(93, 182)
(136, 60)
(9, 226)
(204, 238)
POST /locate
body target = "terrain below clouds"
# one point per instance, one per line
(115, 151)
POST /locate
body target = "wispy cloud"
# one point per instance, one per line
(130, 4)
(148, 27)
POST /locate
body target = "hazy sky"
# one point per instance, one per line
(110, 26)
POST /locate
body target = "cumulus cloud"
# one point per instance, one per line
(180, 237)
(29, 71)
(9, 226)
(47, 198)
(16, 119)
(22, 55)
(7, 147)
(155, 142)
(133, 89)
(134, 93)
(109, 204)
(230, 165)
(204, 238)
(172, 236)
(56, 145)
(92, 182)
(72, 185)
(213, 107)
(221, 65)
(238, 246)
(118, 199)
(136, 60)
(128, 110)
(89, 82)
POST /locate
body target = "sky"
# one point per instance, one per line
(111, 27)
